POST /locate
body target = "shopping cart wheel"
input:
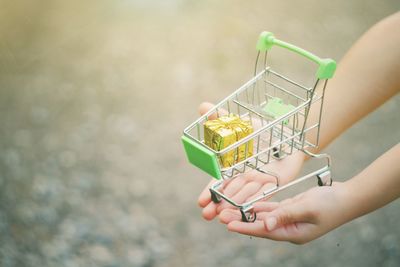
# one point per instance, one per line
(275, 153)
(324, 179)
(248, 216)
(215, 198)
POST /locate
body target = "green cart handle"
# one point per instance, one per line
(326, 67)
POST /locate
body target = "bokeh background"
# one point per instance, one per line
(94, 96)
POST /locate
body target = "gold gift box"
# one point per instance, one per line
(226, 130)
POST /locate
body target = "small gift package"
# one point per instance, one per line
(226, 130)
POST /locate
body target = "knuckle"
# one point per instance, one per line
(312, 214)
(285, 217)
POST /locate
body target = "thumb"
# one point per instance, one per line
(287, 214)
(205, 107)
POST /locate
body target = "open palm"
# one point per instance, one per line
(298, 220)
(250, 184)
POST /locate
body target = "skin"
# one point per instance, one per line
(367, 76)
(250, 184)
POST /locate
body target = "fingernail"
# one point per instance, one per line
(271, 223)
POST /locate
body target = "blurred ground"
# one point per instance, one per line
(94, 96)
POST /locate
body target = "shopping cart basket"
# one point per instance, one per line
(278, 108)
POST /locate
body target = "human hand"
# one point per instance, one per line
(250, 184)
(298, 220)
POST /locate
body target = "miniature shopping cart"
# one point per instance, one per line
(278, 108)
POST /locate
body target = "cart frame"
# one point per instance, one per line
(275, 136)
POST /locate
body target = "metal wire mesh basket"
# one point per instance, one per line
(278, 109)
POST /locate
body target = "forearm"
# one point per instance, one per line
(374, 187)
(367, 76)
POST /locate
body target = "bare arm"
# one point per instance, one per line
(314, 213)
(375, 186)
(368, 75)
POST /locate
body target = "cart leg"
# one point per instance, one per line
(214, 197)
(324, 179)
(248, 215)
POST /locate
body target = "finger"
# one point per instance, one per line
(267, 181)
(295, 233)
(210, 208)
(254, 229)
(210, 211)
(205, 196)
(265, 188)
(288, 214)
(234, 186)
(265, 206)
(241, 195)
(229, 215)
(206, 106)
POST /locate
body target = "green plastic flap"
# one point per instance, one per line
(326, 68)
(277, 108)
(201, 157)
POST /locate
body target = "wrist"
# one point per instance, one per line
(350, 201)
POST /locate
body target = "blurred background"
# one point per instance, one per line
(94, 96)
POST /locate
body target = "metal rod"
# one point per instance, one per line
(283, 89)
(288, 80)
(320, 111)
(307, 111)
